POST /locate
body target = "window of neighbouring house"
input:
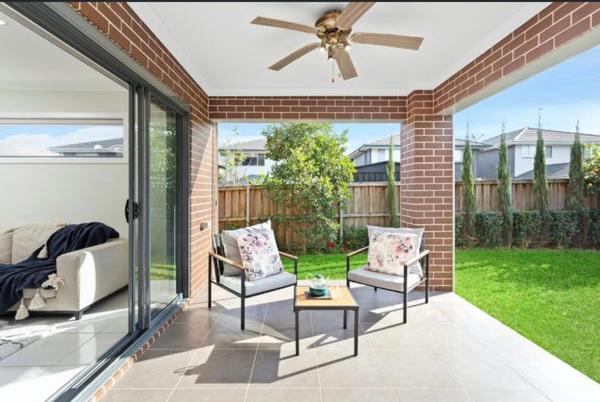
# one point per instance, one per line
(254, 160)
(458, 155)
(62, 138)
(548, 151)
(529, 151)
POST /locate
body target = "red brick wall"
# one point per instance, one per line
(119, 23)
(551, 28)
(368, 108)
(427, 182)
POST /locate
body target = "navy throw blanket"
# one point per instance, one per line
(34, 271)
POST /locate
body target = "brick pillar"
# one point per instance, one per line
(426, 183)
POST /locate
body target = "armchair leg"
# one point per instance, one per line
(243, 313)
(374, 289)
(404, 307)
(209, 294)
(427, 290)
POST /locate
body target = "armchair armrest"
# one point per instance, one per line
(360, 250)
(416, 258)
(286, 255)
(353, 253)
(293, 258)
(235, 264)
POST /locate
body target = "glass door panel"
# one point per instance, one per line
(162, 202)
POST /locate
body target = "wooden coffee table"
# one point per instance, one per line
(341, 299)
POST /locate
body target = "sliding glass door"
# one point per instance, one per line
(162, 203)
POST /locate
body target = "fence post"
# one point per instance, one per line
(341, 222)
(247, 205)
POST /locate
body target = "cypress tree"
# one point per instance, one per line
(468, 194)
(540, 188)
(576, 187)
(504, 193)
(392, 197)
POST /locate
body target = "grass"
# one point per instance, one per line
(549, 296)
(332, 266)
(162, 271)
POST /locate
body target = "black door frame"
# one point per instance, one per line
(60, 21)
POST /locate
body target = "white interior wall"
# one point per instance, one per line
(68, 190)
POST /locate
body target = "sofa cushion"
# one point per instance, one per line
(26, 239)
(6, 246)
(384, 281)
(403, 239)
(280, 280)
(231, 248)
(259, 254)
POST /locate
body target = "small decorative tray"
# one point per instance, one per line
(326, 296)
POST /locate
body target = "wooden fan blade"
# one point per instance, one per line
(344, 63)
(270, 22)
(379, 39)
(352, 13)
(294, 56)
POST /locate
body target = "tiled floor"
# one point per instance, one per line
(448, 351)
(42, 367)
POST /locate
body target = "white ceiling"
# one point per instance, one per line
(228, 56)
(30, 62)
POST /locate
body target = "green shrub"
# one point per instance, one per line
(564, 228)
(488, 229)
(527, 228)
(356, 237)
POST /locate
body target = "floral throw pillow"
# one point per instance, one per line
(389, 250)
(259, 254)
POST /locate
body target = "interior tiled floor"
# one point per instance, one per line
(448, 351)
(42, 367)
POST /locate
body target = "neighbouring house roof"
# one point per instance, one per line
(528, 136)
(555, 171)
(383, 142)
(460, 143)
(112, 146)
(252, 145)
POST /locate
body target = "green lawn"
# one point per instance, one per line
(551, 297)
(332, 266)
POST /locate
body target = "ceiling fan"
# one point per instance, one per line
(334, 30)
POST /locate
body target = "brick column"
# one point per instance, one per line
(426, 183)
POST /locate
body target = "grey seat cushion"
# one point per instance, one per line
(384, 281)
(262, 285)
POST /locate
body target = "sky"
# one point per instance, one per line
(566, 92)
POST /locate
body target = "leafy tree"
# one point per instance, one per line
(591, 169)
(310, 175)
(504, 193)
(540, 182)
(468, 184)
(392, 196)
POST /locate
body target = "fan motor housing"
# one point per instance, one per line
(327, 30)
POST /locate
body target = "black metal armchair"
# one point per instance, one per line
(237, 284)
(395, 283)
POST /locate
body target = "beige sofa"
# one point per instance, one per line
(89, 274)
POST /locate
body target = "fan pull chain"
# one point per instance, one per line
(332, 71)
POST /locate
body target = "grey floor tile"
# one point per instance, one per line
(158, 368)
(136, 395)
(416, 369)
(434, 395)
(358, 395)
(342, 369)
(287, 395)
(183, 337)
(208, 395)
(219, 368)
(229, 335)
(509, 395)
(273, 369)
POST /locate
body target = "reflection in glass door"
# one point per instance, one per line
(162, 204)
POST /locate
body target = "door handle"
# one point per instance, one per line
(136, 209)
